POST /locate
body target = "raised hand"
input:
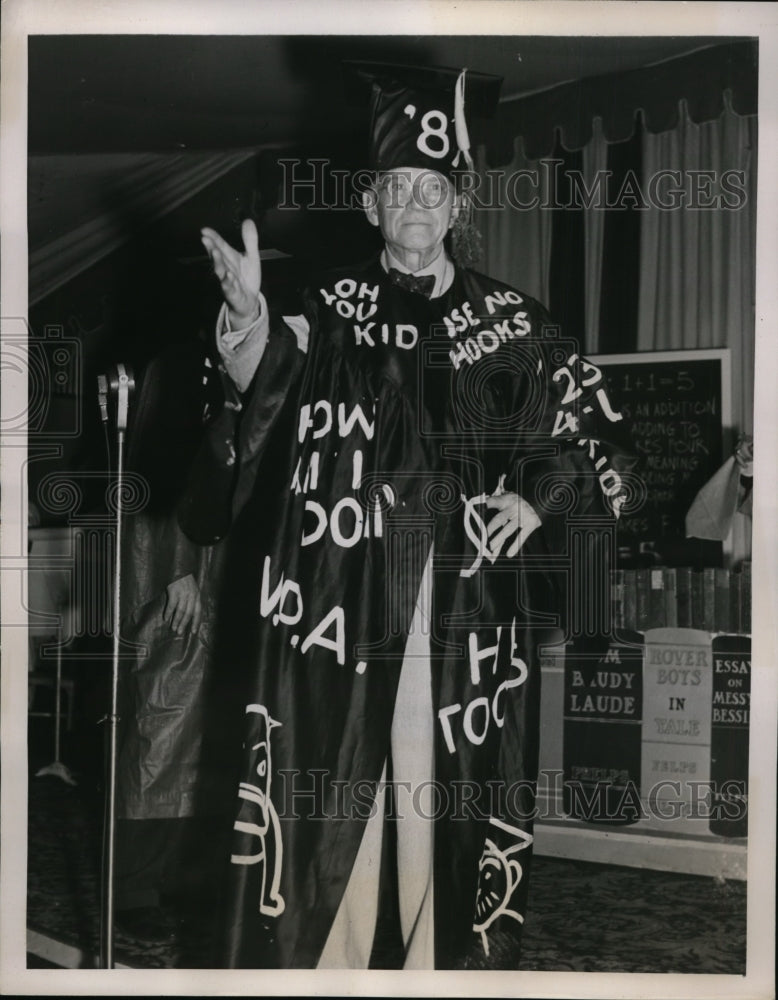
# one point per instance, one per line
(513, 515)
(744, 455)
(240, 274)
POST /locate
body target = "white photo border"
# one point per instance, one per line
(22, 18)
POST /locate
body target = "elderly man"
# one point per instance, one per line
(399, 455)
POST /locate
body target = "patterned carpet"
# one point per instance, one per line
(582, 917)
(596, 918)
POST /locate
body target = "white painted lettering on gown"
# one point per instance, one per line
(276, 600)
(317, 636)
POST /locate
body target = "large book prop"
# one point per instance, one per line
(676, 733)
(730, 715)
(650, 727)
(603, 706)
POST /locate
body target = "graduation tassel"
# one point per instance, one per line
(465, 238)
(466, 244)
(460, 123)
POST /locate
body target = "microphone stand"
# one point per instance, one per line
(57, 768)
(118, 385)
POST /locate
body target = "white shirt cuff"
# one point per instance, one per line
(241, 350)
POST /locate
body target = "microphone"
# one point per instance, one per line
(118, 383)
(102, 397)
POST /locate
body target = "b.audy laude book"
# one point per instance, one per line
(602, 728)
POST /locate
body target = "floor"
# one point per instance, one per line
(581, 916)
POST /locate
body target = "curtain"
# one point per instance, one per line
(705, 79)
(694, 267)
(515, 223)
(595, 157)
(698, 266)
(697, 275)
(520, 225)
(617, 329)
(568, 240)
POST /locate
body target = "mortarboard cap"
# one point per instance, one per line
(418, 113)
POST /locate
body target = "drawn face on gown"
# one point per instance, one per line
(493, 890)
(414, 208)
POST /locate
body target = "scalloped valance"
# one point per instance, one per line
(706, 80)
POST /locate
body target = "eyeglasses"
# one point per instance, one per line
(429, 190)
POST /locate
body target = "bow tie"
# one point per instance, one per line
(411, 283)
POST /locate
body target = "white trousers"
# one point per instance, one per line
(350, 940)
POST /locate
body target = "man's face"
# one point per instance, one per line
(414, 208)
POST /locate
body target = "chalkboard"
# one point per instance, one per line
(676, 406)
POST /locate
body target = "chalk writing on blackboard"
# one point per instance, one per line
(675, 405)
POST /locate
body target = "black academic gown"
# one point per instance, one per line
(346, 465)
